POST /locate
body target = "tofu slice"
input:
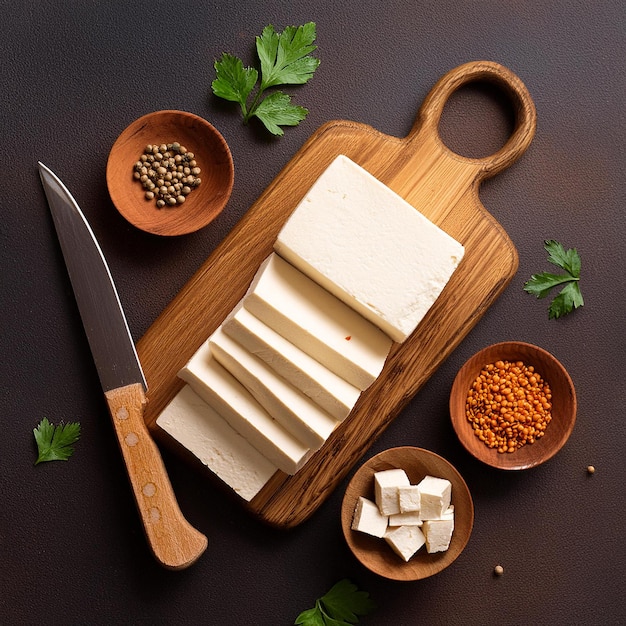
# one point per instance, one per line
(317, 322)
(236, 405)
(334, 394)
(368, 518)
(297, 413)
(206, 434)
(366, 245)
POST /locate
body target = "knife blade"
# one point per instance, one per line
(174, 542)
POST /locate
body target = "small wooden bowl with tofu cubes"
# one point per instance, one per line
(407, 514)
(504, 389)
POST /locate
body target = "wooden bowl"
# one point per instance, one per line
(563, 406)
(376, 554)
(203, 204)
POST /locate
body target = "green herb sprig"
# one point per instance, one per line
(340, 606)
(285, 60)
(540, 285)
(55, 443)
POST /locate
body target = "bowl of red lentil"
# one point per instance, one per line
(513, 405)
(170, 173)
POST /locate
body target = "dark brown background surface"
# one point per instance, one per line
(74, 74)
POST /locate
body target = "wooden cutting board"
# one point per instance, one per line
(444, 187)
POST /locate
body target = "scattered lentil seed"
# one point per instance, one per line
(498, 570)
(167, 172)
(591, 469)
(509, 405)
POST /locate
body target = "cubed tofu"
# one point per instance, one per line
(410, 518)
(368, 519)
(405, 540)
(438, 534)
(435, 495)
(409, 497)
(386, 485)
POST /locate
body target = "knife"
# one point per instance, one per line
(173, 541)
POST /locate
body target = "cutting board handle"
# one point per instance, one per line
(430, 112)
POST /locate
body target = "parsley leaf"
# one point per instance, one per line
(285, 60)
(340, 606)
(54, 443)
(540, 285)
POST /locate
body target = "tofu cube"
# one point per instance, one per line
(368, 519)
(438, 533)
(386, 485)
(409, 497)
(405, 540)
(435, 495)
(410, 518)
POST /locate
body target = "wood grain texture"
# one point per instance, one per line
(375, 553)
(439, 183)
(173, 541)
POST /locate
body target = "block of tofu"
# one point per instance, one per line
(206, 434)
(386, 485)
(435, 495)
(297, 413)
(317, 322)
(369, 247)
(333, 393)
(438, 534)
(409, 498)
(235, 404)
(405, 540)
(410, 518)
(368, 518)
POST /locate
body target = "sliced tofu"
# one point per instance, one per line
(235, 404)
(297, 413)
(334, 394)
(206, 434)
(317, 322)
(365, 244)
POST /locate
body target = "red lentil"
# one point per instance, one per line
(509, 405)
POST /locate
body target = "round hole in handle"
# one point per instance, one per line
(525, 115)
(477, 120)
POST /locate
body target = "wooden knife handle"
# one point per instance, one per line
(173, 541)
